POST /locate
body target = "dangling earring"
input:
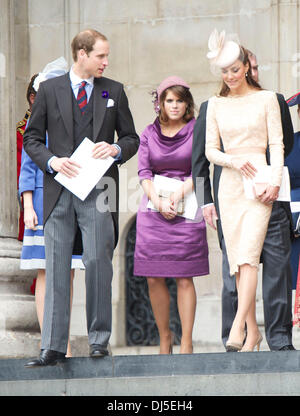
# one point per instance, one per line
(246, 74)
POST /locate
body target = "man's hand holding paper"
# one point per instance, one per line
(85, 168)
(69, 167)
(66, 166)
(102, 150)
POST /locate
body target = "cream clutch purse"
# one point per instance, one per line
(259, 188)
(165, 194)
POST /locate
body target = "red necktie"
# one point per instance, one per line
(82, 97)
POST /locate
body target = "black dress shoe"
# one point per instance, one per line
(97, 350)
(289, 347)
(47, 357)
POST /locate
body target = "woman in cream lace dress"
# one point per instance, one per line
(247, 119)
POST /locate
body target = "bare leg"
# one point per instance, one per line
(246, 286)
(253, 333)
(186, 301)
(40, 288)
(160, 302)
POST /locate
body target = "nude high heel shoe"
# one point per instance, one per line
(172, 341)
(260, 338)
(257, 344)
(232, 346)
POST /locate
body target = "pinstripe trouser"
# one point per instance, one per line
(98, 244)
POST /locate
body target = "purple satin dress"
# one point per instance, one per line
(175, 248)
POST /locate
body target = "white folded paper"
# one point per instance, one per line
(90, 173)
(295, 206)
(264, 175)
(190, 201)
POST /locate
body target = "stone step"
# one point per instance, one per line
(17, 344)
(205, 374)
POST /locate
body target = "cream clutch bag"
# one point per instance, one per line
(259, 188)
(166, 194)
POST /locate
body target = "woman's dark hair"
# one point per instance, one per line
(30, 89)
(183, 94)
(244, 58)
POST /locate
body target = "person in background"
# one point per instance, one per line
(21, 126)
(31, 192)
(167, 245)
(293, 163)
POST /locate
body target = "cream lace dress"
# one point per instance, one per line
(250, 120)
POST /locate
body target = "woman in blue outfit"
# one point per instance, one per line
(31, 190)
(293, 163)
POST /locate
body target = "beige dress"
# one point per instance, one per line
(244, 122)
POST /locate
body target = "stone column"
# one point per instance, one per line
(17, 306)
(289, 52)
(8, 202)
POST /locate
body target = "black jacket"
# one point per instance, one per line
(52, 112)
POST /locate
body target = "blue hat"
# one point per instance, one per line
(294, 100)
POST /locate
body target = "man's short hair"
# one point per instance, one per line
(85, 40)
(251, 55)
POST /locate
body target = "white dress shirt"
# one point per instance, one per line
(75, 85)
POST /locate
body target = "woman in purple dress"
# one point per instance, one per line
(168, 245)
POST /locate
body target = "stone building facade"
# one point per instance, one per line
(150, 40)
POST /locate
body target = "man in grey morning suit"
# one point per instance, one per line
(79, 104)
(277, 285)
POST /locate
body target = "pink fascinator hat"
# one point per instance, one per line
(167, 83)
(224, 50)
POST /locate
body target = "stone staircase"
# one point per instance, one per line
(198, 374)
(140, 371)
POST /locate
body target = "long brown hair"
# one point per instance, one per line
(183, 94)
(244, 58)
